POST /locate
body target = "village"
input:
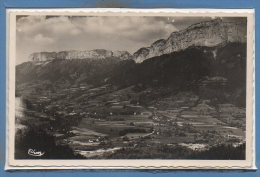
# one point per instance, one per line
(99, 121)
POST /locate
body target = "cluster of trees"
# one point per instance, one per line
(39, 140)
(220, 152)
(132, 130)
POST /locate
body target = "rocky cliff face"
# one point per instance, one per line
(209, 33)
(74, 54)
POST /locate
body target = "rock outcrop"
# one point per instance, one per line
(208, 33)
(74, 54)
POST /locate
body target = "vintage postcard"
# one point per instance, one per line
(130, 89)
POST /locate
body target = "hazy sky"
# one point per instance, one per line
(57, 33)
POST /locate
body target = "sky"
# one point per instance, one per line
(40, 33)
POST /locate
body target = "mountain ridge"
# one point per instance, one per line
(207, 33)
(77, 54)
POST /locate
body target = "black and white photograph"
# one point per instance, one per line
(132, 87)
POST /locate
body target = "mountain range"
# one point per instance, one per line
(75, 54)
(208, 57)
(207, 33)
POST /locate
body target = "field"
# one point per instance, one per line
(101, 122)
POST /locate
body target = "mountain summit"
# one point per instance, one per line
(208, 33)
(75, 54)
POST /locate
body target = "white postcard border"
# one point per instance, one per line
(12, 163)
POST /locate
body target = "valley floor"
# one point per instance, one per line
(126, 123)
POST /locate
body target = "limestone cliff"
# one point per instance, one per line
(74, 54)
(208, 33)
